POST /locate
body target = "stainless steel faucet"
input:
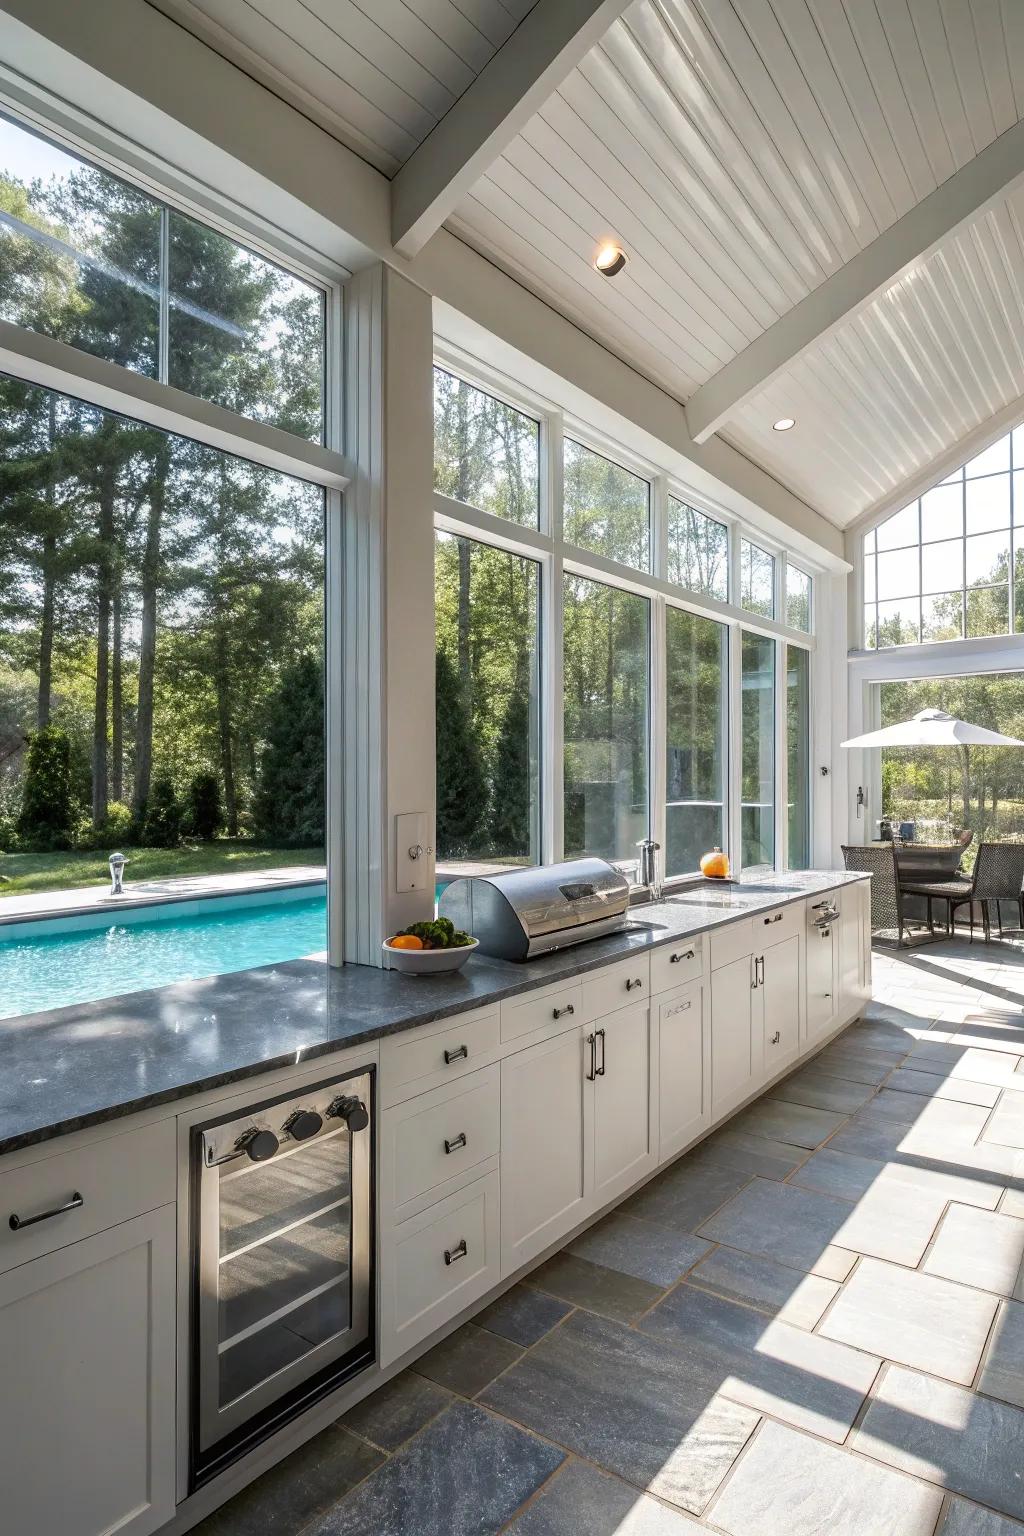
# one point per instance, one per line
(648, 872)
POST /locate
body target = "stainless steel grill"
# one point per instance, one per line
(528, 912)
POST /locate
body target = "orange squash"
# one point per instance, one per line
(715, 865)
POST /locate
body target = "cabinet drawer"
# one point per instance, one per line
(673, 965)
(437, 1053)
(439, 1137)
(552, 1008)
(778, 924)
(436, 1264)
(731, 942)
(115, 1180)
(613, 986)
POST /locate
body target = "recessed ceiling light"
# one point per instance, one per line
(783, 424)
(610, 260)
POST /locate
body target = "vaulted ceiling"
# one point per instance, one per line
(772, 169)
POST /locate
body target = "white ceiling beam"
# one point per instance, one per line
(906, 244)
(547, 44)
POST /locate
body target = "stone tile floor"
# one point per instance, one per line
(812, 1323)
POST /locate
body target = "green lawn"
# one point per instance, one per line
(24, 873)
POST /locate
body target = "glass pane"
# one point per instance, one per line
(942, 566)
(870, 636)
(605, 508)
(757, 579)
(242, 332)
(869, 543)
(757, 815)
(899, 573)
(798, 598)
(899, 530)
(1018, 593)
(991, 461)
(899, 623)
(696, 709)
(942, 513)
(798, 755)
(1018, 447)
(870, 564)
(988, 504)
(607, 666)
(488, 703)
(988, 559)
(698, 551)
(988, 611)
(486, 454)
(79, 253)
(942, 616)
(1018, 495)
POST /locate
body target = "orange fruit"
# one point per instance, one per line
(405, 941)
(715, 865)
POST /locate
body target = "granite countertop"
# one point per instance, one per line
(80, 1066)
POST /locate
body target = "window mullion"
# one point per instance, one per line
(552, 655)
(658, 725)
(734, 783)
(781, 757)
(164, 330)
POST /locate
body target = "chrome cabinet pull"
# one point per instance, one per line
(636, 982)
(592, 1042)
(776, 917)
(600, 1036)
(686, 954)
(775, 1038)
(461, 1052)
(452, 1255)
(760, 962)
(456, 1142)
(75, 1203)
(557, 1012)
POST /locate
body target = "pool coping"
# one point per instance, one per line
(90, 901)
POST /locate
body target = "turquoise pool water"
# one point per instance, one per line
(58, 969)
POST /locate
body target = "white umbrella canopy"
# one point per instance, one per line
(933, 728)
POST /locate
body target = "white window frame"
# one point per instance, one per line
(42, 360)
(556, 557)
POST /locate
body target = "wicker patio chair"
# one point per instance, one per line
(886, 898)
(998, 876)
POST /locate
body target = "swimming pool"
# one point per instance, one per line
(61, 961)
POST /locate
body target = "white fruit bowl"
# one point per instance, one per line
(428, 962)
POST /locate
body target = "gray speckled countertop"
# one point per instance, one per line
(79, 1066)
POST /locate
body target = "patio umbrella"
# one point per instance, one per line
(933, 728)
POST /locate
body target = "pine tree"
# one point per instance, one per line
(47, 816)
(509, 821)
(461, 785)
(205, 814)
(164, 816)
(289, 804)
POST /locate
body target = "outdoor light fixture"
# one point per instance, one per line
(783, 424)
(610, 260)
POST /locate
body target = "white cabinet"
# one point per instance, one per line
(735, 1052)
(684, 1097)
(855, 944)
(622, 1119)
(779, 991)
(87, 1415)
(755, 1014)
(821, 978)
(546, 1140)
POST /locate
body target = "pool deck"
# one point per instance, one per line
(144, 893)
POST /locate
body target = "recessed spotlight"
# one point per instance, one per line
(783, 424)
(610, 260)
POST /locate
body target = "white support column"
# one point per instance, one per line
(388, 617)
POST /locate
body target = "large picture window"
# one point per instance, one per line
(757, 736)
(696, 711)
(798, 756)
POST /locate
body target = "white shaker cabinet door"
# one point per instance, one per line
(780, 996)
(624, 1125)
(87, 1415)
(735, 1055)
(683, 1089)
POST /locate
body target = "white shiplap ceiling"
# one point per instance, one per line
(742, 152)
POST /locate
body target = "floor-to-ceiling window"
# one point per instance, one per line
(696, 716)
(798, 756)
(757, 749)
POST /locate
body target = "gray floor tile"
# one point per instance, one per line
(465, 1475)
(933, 1085)
(788, 1484)
(820, 1091)
(799, 1377)
(631, 1405)
(640, 1248)
(797, 1298)
(685, 1194)
(1012, 1202)
(989, 1031)
(1002, 1374)
(982, 1248)
(397, 1410)
(467, 1360)
(797, 1125)
(749, 1154)
(594, 1287)
(964, 1519)
(916, 1319)
(858, 1066)
(298, 1489)
(995, 1067)
(947, 1435)
(522, 1315)
(1006, 1126)
(581, 1501)
(850, 1177)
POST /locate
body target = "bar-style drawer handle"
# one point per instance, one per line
(455, 1144)
(452, 1255)
(557, 1012)
(75, 1203)
(461, 1052)
(776, 1038)
(636, 982)
(776, 917)
(686, 954)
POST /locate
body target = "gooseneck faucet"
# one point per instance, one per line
(647, 870)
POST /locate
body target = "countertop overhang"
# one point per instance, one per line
(80, 1066)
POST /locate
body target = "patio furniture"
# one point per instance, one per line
(886, 897)
(998, 876)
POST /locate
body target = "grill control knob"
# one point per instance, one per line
(303, 1124)
(352, 1111)
(258, 1145)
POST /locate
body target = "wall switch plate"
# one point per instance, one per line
(414, 854)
